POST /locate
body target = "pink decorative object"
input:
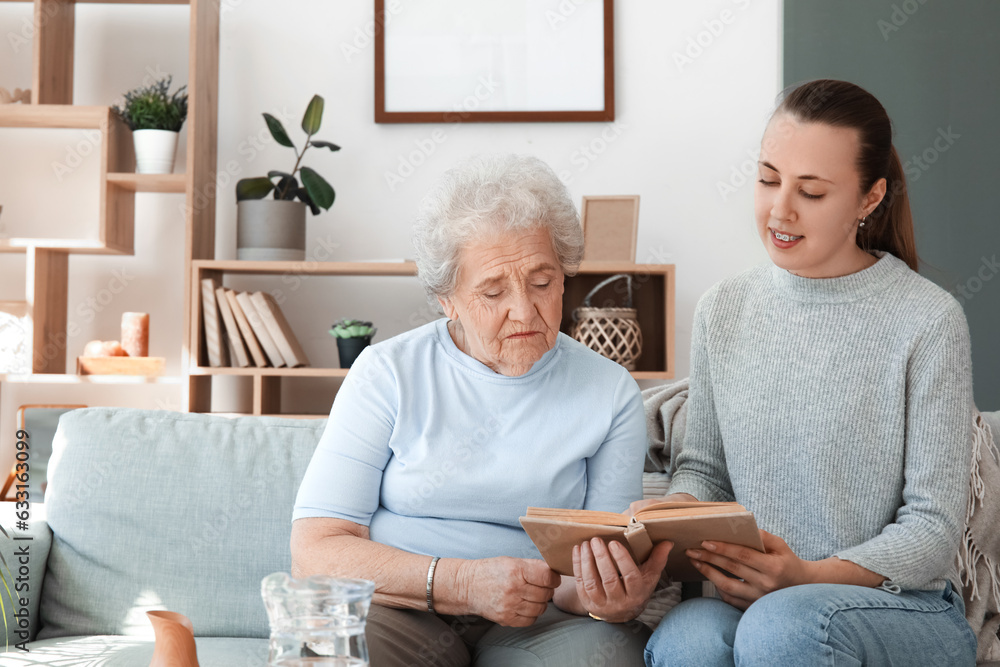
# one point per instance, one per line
(104, 348)
(135, 334)
(174, 645)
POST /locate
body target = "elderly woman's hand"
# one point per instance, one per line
(509, 591)
(603, 592)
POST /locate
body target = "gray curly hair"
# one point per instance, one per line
(489, 195)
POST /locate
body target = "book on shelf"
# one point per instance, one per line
(214, 345)
(256, 353)
(237, 348)
(687, 524)
(260, 329)
(278, 327)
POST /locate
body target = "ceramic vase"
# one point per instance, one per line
(154, 151)
(271, 230)
(174, 640)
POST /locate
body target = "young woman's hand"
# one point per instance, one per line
(604, 593)
(761, 573)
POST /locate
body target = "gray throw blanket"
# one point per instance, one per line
(979, 556)
(666, 418)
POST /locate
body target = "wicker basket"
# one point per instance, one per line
(613, 332)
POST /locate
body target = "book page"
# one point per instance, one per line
(578, 516)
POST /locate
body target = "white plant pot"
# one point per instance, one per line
(271, 230)
(154, 151)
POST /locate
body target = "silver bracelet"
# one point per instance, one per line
(430, 583)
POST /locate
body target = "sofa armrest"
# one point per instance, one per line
(24, 555)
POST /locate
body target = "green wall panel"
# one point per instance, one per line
(935, 65)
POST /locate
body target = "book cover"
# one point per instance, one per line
(556, 531)
(260, 330)
(239, 351)
(214, 347)
(244, 326)
(279, 329)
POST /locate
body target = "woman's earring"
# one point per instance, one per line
(862, 222)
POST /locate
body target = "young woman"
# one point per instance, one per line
(830, 394)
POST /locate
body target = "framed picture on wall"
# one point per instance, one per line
(610, 228)
(494, 61)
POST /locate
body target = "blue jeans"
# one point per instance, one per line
(818, 624)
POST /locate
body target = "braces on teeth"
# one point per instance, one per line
(786, 237)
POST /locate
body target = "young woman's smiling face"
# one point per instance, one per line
(808, 200)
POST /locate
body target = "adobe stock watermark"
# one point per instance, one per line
(558, 17)
(913, 167)
(900, 14)
(408, 163)
(364, 36)
(321, 251)
(86, 310)
(249, 149)
(987, 271)
(90, 143)
(30, 27)
(712, 30)
(461, 449)
(588, 153)
(917, 165)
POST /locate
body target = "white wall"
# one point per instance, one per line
(689, 117)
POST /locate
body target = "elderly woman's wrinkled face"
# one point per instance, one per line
(507, 304)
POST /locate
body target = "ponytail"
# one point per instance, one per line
(890, 225)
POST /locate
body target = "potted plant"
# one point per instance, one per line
(155, 117)
(352, 336)
(275, 229)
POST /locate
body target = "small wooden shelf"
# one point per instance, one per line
(306, 372)
(174, 183)
(72, 378)
(55, 116)
(312, 268)
(119, 2)
(69, 246)
(653, 295)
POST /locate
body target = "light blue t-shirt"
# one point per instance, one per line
(439, 455)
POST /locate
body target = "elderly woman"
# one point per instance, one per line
(441, 437)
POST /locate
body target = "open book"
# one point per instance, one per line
(687, 524)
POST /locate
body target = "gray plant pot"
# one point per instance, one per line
(271, 230)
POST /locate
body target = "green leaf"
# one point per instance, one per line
(303, 196)
(253, 188)
(319, 190)
(278, 174)
(325, 144)
(313, 115)
(278, 130)
(286, 188)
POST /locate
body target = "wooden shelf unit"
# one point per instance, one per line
(52, 107)
(653, 289)
(653, 295)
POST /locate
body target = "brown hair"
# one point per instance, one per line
(842, 104)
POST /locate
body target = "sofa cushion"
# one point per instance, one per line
(116, 651)
(165, 510)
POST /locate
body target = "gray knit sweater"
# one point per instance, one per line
(839, 411)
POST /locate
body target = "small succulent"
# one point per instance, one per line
(345, 328)
(315, 191)
(154, 108)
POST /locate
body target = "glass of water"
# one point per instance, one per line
(318, 620)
